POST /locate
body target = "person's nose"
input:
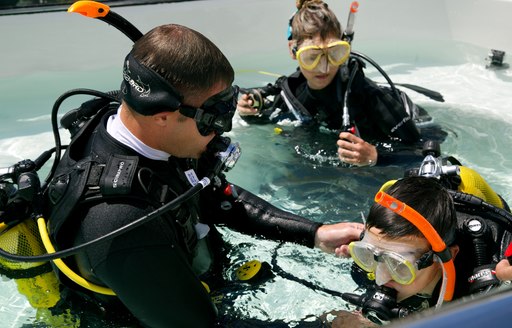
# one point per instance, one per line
(323, 65)
(382, 275)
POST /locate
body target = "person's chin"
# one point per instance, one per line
(322, 81)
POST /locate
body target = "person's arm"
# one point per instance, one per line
(255, 105)
(504, 270)
(387, 119)
(354, 150)
(253, 215)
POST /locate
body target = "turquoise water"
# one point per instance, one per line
(52, 53)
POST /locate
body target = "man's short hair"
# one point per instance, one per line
(188, 60)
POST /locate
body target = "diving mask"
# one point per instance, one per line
(402, 267)
(216, 113)
(336, 53)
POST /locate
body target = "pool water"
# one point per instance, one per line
(293, 170)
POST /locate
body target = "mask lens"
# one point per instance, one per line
(338, 52)
(367, 256)
(363, 255)
(309, 57)
(400, 269)
(216, 114)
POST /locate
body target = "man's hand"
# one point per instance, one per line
(245, 106)
(504, 270)
(331, 237)
(354, 150)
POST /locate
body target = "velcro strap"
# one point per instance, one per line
(95, 175)
(118, 175)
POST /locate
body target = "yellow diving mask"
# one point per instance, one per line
(401, 267)
(336, 52)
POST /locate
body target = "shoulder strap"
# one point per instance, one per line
(288, 87)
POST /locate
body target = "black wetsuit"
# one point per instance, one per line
(155, 269)
(375, 111)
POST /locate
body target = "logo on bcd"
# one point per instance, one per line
(118, 174)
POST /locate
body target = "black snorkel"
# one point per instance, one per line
(93, 9)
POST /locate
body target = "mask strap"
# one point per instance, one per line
(430, 234)
(444, 283)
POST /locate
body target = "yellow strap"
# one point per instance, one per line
(64, 268)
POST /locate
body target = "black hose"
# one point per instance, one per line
(55, 126)
(371, 61)
(278, 270)
(73, 250)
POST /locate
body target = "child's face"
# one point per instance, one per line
(410, 248)
(323, 74)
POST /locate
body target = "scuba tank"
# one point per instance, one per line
(19, 197)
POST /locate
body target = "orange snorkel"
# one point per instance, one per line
(438, 245)
(101, 11)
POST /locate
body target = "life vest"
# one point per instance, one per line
(94, 172)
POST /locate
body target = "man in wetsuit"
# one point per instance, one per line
(128, 161)
(331, 90)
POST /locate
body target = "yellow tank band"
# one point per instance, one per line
(64, 268)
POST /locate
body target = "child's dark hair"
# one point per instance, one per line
(315, 17)
(428, 197)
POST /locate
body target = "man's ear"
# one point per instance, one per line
(292, 47)
(454, 250)
(163, 118)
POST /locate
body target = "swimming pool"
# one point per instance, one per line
(439, 46)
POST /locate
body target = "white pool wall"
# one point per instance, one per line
(33, 42)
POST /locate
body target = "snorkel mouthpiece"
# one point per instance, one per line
(437, 243)
(378, 304)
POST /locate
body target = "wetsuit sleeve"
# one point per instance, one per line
(253, 215)
(270, 99)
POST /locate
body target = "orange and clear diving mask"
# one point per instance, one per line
(336, 53)
(401, 266)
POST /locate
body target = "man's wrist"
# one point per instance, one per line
(316, 239)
